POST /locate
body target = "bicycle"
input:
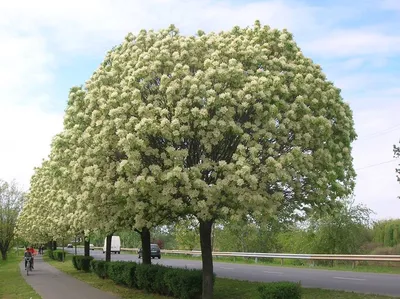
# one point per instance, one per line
(28, 265)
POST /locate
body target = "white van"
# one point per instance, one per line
(115, 244)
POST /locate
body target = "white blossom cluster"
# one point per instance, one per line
(215, 125)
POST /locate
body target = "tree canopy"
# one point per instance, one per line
(218, 126)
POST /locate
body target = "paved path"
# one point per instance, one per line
(51, 283)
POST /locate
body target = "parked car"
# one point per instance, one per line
(91, 247)
(154, 251)
(69, 246)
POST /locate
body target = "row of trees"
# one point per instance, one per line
(347, 230)
(232, 126)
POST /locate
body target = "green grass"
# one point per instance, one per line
(12, 284)
(224, 288)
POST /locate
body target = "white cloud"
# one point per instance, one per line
(25, 140)
(345, 43)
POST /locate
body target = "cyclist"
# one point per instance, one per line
(33, 252)
(28, 255)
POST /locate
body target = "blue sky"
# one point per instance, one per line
(48, 47)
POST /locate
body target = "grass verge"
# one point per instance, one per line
(224, 288)
(12, 284)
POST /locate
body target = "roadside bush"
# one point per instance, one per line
(99, 268)
(280, 290)
(151, 278)
(58, 255)
(85, 263)
(82, 262)
(122, 273)
(179, 283)
(184, 283)
(50, 254)
(74, 262)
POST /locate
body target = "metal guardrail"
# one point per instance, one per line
(282, 256)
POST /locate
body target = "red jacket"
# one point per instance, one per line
(32, 250)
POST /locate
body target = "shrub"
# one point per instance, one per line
(58, 255)
(180, 283)
(184, 283)
(82, 262)
(85, 263)
(100, 268)
(122, 273)
(50, 254)
(128, 275)
(280, 290)
(74, 262)
(151, 278)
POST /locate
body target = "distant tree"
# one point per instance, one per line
(187, 234)
(343, 231)
(11, 201)
(387, 232)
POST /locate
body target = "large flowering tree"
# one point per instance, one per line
(220, 126)
(84, 173)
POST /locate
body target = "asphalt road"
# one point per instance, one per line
(382, 284)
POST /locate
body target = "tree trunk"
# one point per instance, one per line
(54, 243)
(87, 246)
(145, 236)
(207, 259)
(63, 246)
(3, 254)
(108, 248)
(76, 249)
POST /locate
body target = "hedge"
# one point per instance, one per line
(184, 283)
(99, 268)
(57, 255)
(280, 290)
(123, 273)
(82, 262)
(151, 278)
(158, 279)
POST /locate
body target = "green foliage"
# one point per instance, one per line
(184, 283)
(151, 278)
(122, 273)
(280, 290)
(49, 253)
(11, 202)
(58, 255)
(85, 263)
(248, 235)
(187, 234)
(387, 232)
(82, 262)
(180, 283)
(100, 268)
(74, 262)
(343, 231)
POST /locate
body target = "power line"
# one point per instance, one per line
(373, 165)
(383, 132)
